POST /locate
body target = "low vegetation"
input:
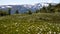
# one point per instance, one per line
(32, 23)
(3, 13)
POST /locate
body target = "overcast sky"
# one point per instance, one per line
(16, 2)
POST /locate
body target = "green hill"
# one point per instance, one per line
(37, 23)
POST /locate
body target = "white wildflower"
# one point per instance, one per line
(41, 29)
(50, 32)
(28, 30)
(17, 30)
(59, 33)
(38, 33)
(53, 26)
(5, 26)
(15, 23)
(54, 32)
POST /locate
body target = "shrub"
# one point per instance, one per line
(3, 13)
(29, 12)
(17, 12)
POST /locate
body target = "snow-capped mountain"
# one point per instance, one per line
(22, 8)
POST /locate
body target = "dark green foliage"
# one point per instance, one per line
(57, 8)
(3, 13)
(29, 12)
(37, 11)
(9, 11)
(50, 9)
(43, 10)
(17, 12)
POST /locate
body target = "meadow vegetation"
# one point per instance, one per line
(32, 23)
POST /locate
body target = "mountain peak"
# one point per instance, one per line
(22, 8)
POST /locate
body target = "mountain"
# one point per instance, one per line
(21, 8)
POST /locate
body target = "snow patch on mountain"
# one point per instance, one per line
(9, 6)
(2, 7)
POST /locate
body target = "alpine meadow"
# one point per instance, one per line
(30, 19)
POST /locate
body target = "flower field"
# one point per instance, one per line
(30, 24)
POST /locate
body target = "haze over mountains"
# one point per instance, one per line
(23, 8)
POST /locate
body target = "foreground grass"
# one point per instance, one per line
(30, 24)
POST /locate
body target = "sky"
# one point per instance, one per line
(18, 2)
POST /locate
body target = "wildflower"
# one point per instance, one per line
(17, 30)
(53, 26)
(5, 26)
(49, 28)
(23, 30)
(50, 24)
(41, 29)
(38, 27)
(50, 32)
(57, 27)
(38, 33)
(59, 33)
(54, 32)
(15, 23)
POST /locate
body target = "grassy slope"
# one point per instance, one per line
(30, 24)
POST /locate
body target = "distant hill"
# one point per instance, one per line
(24, 8)
(21, 8)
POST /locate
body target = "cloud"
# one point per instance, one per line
(18, 2)
(48, 1)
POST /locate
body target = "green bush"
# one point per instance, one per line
(3, 13)
(29, 12)
(17, 12)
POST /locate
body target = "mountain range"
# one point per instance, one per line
(22, 8)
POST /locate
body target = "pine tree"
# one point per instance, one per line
(43, 10)
(29, 12)
(9, 11)
(17, 12)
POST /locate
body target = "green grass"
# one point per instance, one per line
(40, 23)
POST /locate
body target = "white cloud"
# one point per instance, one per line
(17, 2)
(48, 1)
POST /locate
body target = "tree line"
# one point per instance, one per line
(4, 12)
(49, 9)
